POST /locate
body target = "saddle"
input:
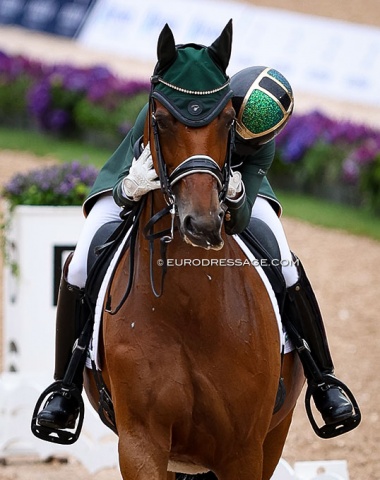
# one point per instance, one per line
(262, 243)
(258, 237)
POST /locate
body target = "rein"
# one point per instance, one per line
(165, 237)
(193, 164)
(132, 222)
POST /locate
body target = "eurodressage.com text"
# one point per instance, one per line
(226, 262)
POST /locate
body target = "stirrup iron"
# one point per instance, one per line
(335, 429)
(63, 437)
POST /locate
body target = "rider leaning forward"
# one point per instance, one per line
(263, 101)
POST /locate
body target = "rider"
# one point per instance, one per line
(263, 101)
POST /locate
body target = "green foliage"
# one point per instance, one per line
(105, 123)
(370, 184)
(43, 145)
(358, 221)
(332, 159)
(13, 105)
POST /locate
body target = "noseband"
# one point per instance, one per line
(193, 164)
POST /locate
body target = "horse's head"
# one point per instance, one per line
(189, 127)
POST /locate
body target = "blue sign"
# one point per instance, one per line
(59, 17)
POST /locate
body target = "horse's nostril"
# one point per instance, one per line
(188, 223)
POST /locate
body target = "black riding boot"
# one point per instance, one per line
(60, 411)
(302, 312)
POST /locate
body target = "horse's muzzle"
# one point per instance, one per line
(203, 231)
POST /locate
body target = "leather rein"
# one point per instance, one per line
(193, 164)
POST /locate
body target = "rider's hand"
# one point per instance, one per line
(235, 185)
(142, 177)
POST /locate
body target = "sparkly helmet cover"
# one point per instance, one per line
(263, 101)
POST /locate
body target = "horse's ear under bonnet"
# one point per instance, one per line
(190, 80)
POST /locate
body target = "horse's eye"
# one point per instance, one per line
(164, 122)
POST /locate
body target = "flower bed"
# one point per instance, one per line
(334, 159)
(67, 184)
(67, 100)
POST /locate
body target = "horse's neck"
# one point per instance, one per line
(155, 203)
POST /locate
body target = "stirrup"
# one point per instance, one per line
(335, 429)
(54, 435)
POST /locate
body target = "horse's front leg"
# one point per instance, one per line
(248, 466)
(139, 458)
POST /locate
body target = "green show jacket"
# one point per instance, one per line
(253, 168)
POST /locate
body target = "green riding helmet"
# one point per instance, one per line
(263, 101)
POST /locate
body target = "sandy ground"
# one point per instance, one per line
(343, 270)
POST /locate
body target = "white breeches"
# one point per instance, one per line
(104, 210)
(264, 211)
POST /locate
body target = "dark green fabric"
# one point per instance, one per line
(253, 170)
(195, 72)
(118, 164)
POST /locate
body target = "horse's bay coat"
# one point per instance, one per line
(193, 370)
(254, 167)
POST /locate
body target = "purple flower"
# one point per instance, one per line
(66, 184)
(58, 119)
(300, 134)
(39, 98)
(359, 158)
(303, 132)
(350, 171)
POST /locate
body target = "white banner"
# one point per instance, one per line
(318, 55)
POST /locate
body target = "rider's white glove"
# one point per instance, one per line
(235, 185)
(142, 177)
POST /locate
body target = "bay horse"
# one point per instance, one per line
(192, 356)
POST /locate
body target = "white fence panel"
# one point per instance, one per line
(96, 447)
(322, 470)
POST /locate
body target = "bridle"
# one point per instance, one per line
(193, 164)
(189, 166)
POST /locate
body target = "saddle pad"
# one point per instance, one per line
(93, 347)
(285, 343)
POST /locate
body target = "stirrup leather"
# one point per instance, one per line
(335, 429)
(63, 437)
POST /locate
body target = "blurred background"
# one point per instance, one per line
(73, 76)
